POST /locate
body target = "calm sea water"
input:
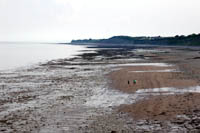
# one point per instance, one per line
(14, 55)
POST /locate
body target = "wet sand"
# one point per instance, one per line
(164, 107)
(148, 77)
(180, 111)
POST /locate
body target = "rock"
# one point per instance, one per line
(195, 121)
(197, 127)
(180, 121)
(162, 113)
(188, 126)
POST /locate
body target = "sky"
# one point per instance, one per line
(64, 20)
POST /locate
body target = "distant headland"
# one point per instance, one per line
(191, 40)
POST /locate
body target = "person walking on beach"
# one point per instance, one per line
(134, 81)
(128, 82)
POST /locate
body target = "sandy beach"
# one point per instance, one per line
(90, 92)
(150, 77)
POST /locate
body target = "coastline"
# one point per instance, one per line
(76, 95)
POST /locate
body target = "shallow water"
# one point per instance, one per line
(166, 70)
(13, 55)
(149, 51)
(141, 64)
(170, 90)
(109, 98)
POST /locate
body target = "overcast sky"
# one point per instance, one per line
(63, 20)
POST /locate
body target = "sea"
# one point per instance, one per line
(17, 55)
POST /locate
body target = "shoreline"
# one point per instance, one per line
(74, 95)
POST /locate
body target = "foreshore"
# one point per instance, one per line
(95, 92)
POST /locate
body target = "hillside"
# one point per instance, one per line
(193, 39)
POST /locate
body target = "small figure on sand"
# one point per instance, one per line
(128, 82)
